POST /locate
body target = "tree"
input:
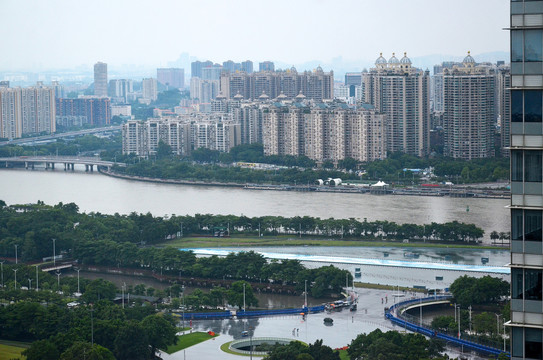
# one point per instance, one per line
(393, 345)
(235, 295)
(41, 350)
(164, 150)
(131, 343)
(99, 289)
(85, 351)
(160, 333)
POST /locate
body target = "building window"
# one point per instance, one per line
(517, 165)
(516, 45)
(526, 225)
(532, 106)
(516, 284)
(533, 43)
(516, 224)
(532, 284)
(526, 165)
(532, 225)
(533, 344)
(526, 105)
(516, 105)
(533, 171)
(517, 342)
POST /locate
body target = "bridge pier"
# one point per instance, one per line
(46, 166)
(26, 164)
(92, 168)
(64, 166)
(86, 168)
(72, 166)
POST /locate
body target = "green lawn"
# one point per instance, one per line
(8, 352)
(204, 242)
(187, 340)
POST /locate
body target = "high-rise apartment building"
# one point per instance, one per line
(197, 66)
(100, 79)
(212, 72)
(204, 90)
(26, 111)
(171, 77)
(119, 90)
(324, 132)
(503, 85)
(247, 66)
(266, 66)
(182, 134)
(314, 85)
(88, 110)
(401, 91)
(526, 323)
(10, 113)
(149, 89)
(469, 110)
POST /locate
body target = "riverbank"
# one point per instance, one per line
(265, 241)
(457, 192)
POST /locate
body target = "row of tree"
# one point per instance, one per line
(59, 332)
(116, 240)
(302, 169)
(33, 227)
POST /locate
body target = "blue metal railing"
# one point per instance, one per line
(431, 333)
(254, 313)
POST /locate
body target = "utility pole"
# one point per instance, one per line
(37, 279)
(2, 270)
(469, 318)
(16, 261)
(15, 271)
(58, 281)
(54, 250)
(305, 293)
(78, 270)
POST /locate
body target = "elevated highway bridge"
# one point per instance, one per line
(29, 162)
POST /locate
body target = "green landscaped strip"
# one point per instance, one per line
(202, 242)
(226, 348)
(343, 355)
(9, 352)
(187, 340)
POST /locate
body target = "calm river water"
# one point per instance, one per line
(100, 193)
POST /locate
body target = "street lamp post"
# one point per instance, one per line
(15, 271)
(459, 321)
(16, 257)
(37, 279)
(78, 270)
(29, 284)
(54, 251)
(305, 294)
(183, 299)
(470, 318)
(58, 280)
(497, 323)
(2, 267)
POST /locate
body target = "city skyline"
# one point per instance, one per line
(355, 32)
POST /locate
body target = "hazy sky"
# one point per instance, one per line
(68, 33)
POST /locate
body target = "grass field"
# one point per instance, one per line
(8, 352)
(187, 340)
(205, 242)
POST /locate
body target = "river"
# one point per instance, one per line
(94, 192)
